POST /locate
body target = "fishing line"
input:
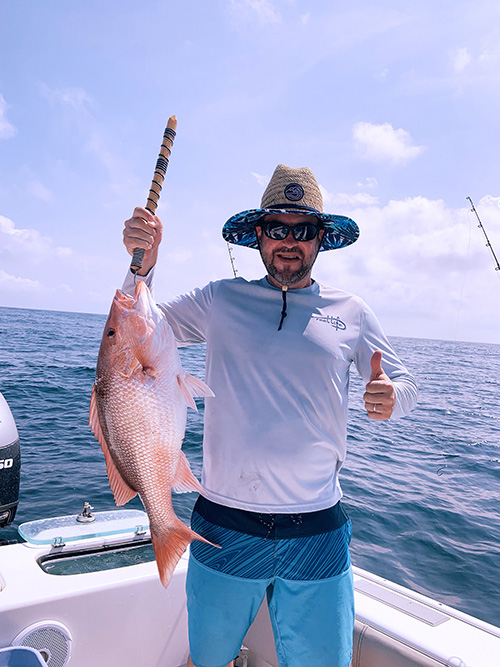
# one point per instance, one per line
(466, 273)
(441, 469)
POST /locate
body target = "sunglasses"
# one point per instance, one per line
(278, 231)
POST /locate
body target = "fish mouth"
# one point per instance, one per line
(123, 301)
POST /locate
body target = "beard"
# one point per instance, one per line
(287, 276)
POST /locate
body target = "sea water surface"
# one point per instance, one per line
(423, 492)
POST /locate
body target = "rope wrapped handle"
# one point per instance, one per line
(157, 183)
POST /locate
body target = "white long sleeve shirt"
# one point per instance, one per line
(275, 432)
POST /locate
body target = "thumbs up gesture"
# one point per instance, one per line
(380, 395)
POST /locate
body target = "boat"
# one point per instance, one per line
(83, 590)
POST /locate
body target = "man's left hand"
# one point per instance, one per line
(380, 396)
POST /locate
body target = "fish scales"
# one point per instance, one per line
(138, 428)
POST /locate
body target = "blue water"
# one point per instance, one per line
(423, 492)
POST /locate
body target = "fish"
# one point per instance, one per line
(138, 413)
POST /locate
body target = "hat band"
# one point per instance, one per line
(294, 206)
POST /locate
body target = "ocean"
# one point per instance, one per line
(423, 492)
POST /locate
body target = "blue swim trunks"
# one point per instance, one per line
(300, 562)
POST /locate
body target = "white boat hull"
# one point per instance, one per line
(121, 617)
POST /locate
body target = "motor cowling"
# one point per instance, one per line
(10, 464)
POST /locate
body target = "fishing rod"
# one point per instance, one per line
(156, 185)
(231, 257)
(488, 243)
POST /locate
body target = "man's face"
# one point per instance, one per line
(289, 262)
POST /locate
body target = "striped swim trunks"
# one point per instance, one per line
(307, 546)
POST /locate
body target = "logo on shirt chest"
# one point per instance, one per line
(334, 322)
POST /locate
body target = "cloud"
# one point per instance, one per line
(343, 200)
(382, 143)
(492, 204)
(263, 10)
(460, 59)
(370, 182)
(490, 56)
(10, 283)
(7, 130)
(261, 180)
(28, 243)
(419, 232)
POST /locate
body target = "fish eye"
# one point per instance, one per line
(110, 332)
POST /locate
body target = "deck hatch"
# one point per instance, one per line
(64, 529)
(402, 603)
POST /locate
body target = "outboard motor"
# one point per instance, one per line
(10, 464)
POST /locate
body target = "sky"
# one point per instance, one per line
(393, 105)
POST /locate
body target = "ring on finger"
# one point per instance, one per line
(374, 407)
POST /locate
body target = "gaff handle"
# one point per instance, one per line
(156, 185)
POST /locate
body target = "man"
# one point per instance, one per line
(278, 356)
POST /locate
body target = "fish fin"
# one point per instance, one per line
(184, 480)
(186, 393)
(170, 545)
(94, 422)
(197, 387)
(122, 492)
(192, 386)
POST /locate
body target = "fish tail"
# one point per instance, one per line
(170, 544)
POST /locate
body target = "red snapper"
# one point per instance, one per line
(138, 413)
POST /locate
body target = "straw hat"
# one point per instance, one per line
(291, 191)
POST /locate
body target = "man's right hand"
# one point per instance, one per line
(143, 230)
